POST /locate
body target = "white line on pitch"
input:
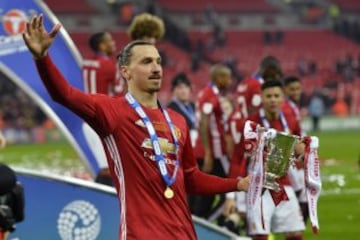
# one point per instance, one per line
(338, 191)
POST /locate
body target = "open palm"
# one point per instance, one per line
(36, 38)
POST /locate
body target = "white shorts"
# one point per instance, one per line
(297, 178)
(95, 144)
(285, 217)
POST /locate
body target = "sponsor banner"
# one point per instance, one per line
(64, 208)
(329, 123)
(17, 65)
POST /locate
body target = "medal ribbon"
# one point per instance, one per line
(267, 124)
(256, 169)
(159, 157)
(312, 179)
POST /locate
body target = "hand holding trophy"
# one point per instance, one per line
(271, 158)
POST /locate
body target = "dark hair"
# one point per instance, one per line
(95, 40)
(124, 56)
(146, 25)
(270, 68)
(269, 61)
(179, 79)
(271, 84)
(290, 79)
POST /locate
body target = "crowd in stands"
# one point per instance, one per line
(17, 108)
(348, 28)
(19, 111)
(19, 114)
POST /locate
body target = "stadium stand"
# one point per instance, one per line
(248, 47)
(348, 5)
(70, 7)
(310, 43)
(260, 6)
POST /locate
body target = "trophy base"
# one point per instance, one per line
(270, 182)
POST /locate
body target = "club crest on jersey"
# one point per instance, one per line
(207, 108)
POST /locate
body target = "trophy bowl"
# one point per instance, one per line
(279, 155)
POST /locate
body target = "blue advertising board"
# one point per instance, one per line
(16, 63)
(65, 208)
(62, 208)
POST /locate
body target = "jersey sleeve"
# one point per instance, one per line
(198, 182)
(207, 105)
(84, 105)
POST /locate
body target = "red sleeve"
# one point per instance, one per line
(293, 123)
(198, 182)
(297, 128)
(60, 91)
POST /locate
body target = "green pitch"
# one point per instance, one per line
(339, 205)
(54, 156)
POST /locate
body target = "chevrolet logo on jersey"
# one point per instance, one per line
(165, 146)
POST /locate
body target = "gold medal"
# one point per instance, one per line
(169, 193)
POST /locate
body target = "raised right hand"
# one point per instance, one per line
(36, 38)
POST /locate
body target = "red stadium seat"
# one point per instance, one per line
(348, 5)
(219, 6)
(70, 6)
(324, 47)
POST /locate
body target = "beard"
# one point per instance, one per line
(154, 87)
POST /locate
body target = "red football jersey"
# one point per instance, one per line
(208, 103)
(290, 108)
(292, 123)
(101, 75)
(145, 212)
(248, 96)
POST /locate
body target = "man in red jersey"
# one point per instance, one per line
(277, 212)
(101, 75)
(247, 95)
(292, 91)
(211, 125)
(100, 72)
(147, 147)
(247, 101)
(211, 131)
(143, 27)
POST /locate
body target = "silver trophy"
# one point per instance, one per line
(280, 154)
